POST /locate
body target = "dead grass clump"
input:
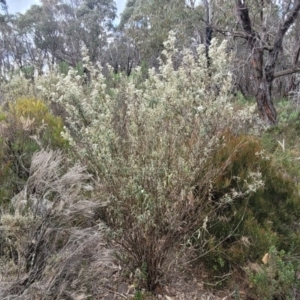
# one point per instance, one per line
(52, 244)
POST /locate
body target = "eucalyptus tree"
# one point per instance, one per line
(148, 24)
(14, 45)
(265, 44)
(41, 23)
(5, 29)
(265, 35)
(60, 28)
(95, 24)
(122, 54)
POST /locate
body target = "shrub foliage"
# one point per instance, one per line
(150, 144)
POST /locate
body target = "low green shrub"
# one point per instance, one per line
(33, 115)
(276, 278)
(251, 224)
(27, 125)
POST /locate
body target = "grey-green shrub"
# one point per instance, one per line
(148, 144)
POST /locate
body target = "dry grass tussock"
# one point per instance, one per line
(52, 247)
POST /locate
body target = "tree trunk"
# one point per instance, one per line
(265, 104)
(263, 78)
(208, 29)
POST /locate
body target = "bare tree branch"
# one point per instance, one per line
(286, 72)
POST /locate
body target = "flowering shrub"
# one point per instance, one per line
(149, 143)
(173, 159)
